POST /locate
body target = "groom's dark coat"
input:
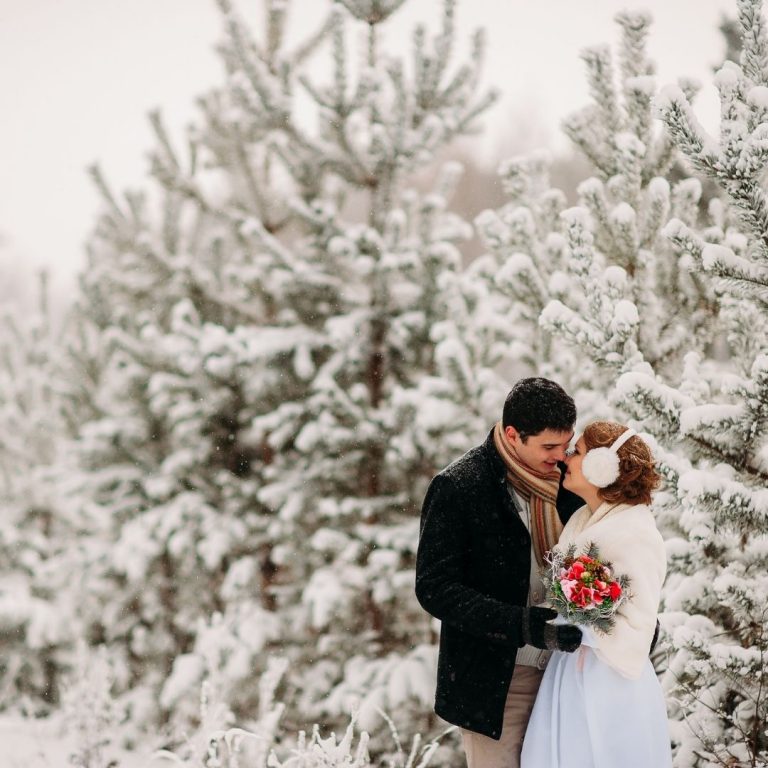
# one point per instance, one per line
(472, 572)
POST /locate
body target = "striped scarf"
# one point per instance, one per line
(538, 489)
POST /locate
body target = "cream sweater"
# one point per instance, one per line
(627, 537)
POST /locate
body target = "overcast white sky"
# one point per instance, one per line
(77, 78)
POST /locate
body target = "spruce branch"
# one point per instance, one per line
(600, 77)
(635, 28)
(754, 53)
(275, 11)
(372, 11)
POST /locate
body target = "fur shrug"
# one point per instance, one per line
(627, 537)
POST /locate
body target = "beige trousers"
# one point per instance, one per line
(484, 752)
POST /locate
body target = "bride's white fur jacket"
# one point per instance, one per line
(627, 537)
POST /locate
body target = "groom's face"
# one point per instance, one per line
(540, 452)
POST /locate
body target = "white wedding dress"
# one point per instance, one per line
(587, 715)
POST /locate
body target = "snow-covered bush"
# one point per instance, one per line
(216, 743)
(90, 713)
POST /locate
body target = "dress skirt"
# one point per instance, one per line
(587, 715)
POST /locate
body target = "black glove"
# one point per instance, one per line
(550, 637)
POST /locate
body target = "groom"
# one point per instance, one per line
(486, 522)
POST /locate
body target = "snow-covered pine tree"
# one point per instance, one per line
(397, 383)
(284, 349)
(171, 378)
(652, 294)
(165, 495)
(34, 629)
(574, 274)
(717, 593)
(596, 290)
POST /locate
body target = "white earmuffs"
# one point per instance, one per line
(601, 465)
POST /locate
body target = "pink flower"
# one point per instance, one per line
(570, 587)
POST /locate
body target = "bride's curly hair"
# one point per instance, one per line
(637, 469)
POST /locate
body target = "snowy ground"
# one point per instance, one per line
(44, 744)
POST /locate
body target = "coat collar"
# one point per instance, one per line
(605, 509)
(497, 463)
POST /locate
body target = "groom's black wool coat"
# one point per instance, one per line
(472, 572)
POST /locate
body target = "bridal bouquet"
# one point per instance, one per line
(582, 589)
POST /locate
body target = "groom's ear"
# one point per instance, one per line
(512, 434)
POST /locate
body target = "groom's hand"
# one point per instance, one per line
(550, 637)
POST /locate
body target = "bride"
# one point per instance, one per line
(603, 707)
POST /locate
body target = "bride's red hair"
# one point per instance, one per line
(638, 477)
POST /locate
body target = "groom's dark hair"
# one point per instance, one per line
(536, 404)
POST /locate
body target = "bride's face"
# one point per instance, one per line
(574, 480)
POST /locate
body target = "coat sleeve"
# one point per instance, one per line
(440, 586)
(640, 556)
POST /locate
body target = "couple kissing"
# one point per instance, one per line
(527, 685)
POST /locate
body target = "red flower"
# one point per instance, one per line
(584, 597)
(615, 590)
(576, 570)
